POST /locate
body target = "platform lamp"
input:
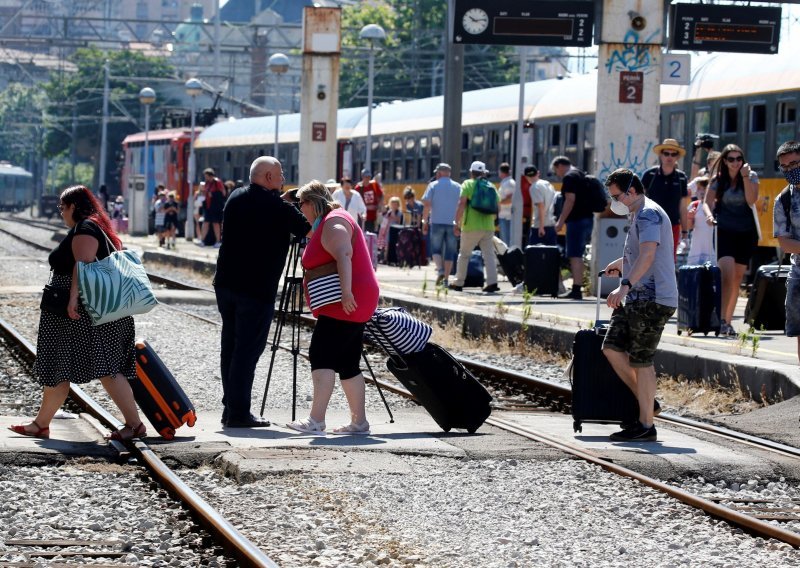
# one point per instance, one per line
(371, 32)
(147, 96)
(193, 88)
(278, 63)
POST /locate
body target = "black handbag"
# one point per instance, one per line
(55, 300)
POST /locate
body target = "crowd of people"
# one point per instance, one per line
(456, 218)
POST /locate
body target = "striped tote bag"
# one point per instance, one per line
(397, 331)
(323, 286)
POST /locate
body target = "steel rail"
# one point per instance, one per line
(236, 544)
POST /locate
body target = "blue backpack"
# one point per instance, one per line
(484, 197)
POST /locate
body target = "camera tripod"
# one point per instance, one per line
(290, 309)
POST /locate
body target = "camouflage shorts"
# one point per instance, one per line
(636, 328)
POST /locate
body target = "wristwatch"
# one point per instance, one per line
(626, 282)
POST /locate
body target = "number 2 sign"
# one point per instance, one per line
(676, 68)
(631, 85)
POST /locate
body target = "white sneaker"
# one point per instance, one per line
(308, 426)
(217, 244)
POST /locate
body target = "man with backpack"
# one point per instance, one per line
(474, 223)
(786, 228)
(667, 185)
(578, 217)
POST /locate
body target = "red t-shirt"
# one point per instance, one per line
(371, 193)
(364, 283)
(527, 205)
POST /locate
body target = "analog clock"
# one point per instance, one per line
(475, 21)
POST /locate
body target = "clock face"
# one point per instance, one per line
(475, 21)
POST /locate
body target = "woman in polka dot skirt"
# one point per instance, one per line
(69, 348)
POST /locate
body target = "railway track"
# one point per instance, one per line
(224, 533)
(752, 514)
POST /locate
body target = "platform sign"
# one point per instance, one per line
(319, 131)
(741, 29)
(631, 86)
(535, 22)
(676, 69)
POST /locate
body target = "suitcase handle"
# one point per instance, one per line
(598, 294)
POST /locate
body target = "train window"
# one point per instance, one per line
(677, 126)
(465, 140)
(228, 156)
(478, 139)
(494, 139)
(398, 145)
(758, 118)
(786, 116)
(398, 170)
(588, 134)
(572, 134)
(423, 145)
(386, 148)
(702, 121)
(554, 138)
(410, 173)
(411, 143)
(729, 120)
(436, 145)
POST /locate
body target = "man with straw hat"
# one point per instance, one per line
(667, 185)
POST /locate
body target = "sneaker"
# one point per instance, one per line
(200, 244)
(439, 279)
(217, 244)
(491, 288)
(636, 434)
(352, 429)
(455, 287)
(308, 426)
(726, 329)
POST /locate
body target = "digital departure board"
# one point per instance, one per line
(511, 22)
(742, 29)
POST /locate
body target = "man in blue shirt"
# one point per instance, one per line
(440, 203)
(644, 301)
(787, 231)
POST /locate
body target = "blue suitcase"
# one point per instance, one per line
(699, 299)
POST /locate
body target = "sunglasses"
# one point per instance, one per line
(670, 154)
(790, 166)
(731, 159)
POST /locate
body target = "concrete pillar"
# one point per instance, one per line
(628, 97)
(319, 93)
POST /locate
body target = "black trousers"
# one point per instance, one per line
(245, 329)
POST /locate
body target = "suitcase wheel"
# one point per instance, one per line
(167, 433)
(679, 332)
(576, 426)
(472, 430)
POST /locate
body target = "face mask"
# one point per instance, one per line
(793, 176)
(619, 208)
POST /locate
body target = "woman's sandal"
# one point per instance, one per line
(38, 433)
(139, 432)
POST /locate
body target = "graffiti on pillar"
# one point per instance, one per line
(634, 55)
(629, 158)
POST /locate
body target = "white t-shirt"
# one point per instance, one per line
(701, 248)
(543, 192)
(507, 187)
(356, 206)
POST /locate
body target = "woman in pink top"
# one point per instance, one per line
(337, 341)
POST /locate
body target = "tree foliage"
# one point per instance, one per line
(20, 123)
(410, 63)
(79, 97)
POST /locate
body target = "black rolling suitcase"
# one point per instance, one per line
(513, 264)
(598, 394)
(766, 303)
(449, 392)
(542, 270)
(158, 394)
(699, 299)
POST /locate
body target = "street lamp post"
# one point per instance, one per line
(278, 63)
(371, 32)
(147, 96)
(193, 88)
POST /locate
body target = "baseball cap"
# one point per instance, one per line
(209, 171)
(365, 172)
(531, 171)
(346, 178)
(478, 166)
(442, 166)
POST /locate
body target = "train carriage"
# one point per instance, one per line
(16, 187)
(747, 99)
